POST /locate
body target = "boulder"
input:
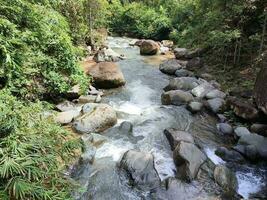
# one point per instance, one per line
(174, 137)
(215, 105)
(243, 109)
(126, 127)
(169, 66)
(195, 64)
(188, 159)
(229, 155)
(194, 53)
(149, 47)
(183, 83)
(94, 91)
(65, 106)
(140, 167)
(164, 50)
(97, 118)
(215, 94)
(260, 129)
(176, 97)
(167, 43)
(183, 62)
(240, 131)
(195, 106)
(256, 142)
(201, 90)
(180, 53)
(107, 75)
(94, 139)
(138, 43)
(67, 117)
(88, 99)
(225, 129)
(107, 55)
(73, 93)
(249, 151)
(225, 178)
(183, 73)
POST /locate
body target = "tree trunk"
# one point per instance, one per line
(263, 31)
(260, 90)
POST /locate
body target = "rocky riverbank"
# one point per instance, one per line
(141, 144)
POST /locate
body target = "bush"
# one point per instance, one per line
(139, 20)
(37, 56)
(33, 152)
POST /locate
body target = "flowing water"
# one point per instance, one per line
(139, 103)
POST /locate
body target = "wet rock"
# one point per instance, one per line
(94, 91)
(201, 90)
(222, 118)
(138, 43)
(243, 109)
(215, 105)
(258, 141)
(188, 159)
(183, 83)
(164, 50)
(88, 99)
(229, 155)
(176, 97)
(194, 53)
(107, 75)
(215, 94)
(225, 129)
(98, 99)
(98, 118)
(183, 73)
(140, 167)
(175, 136)
(65, 106)
(225, 178)
(240, 131)
(107, 55)
(195, 106)
(126, 127)
(73, 93)
(167, 43)
(149, 47)
(183, 62)
(88, 156)
(195, 64)
(180, 53)
(94, 139)
(67, 117)
(169, 66)
(260, 129)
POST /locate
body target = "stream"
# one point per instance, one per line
(139, 102)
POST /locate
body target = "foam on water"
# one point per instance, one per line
(210, 152)
(249, 183)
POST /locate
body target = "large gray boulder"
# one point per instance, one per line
(97, 118)
(215, 94)
(175, 136)
(182, 83)
(201, 90)
(225, 178)
(176, 97)
(240, 131)
(67, 117)
(140, 167)
(180, 53)
(106, 75)
(188, 159)
(149, 47)
(195, 106)
(229, 155)
(215, 105)
(170, 66)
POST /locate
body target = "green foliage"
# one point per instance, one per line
(37, 56)
(33, 152)
(139, 20)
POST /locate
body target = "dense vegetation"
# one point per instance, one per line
(41, 42)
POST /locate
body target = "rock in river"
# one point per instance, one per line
(149, 47)
(176, 136)
(182, 83)
(216, 105)
(202, 90)
(140, 167)
(180, 53)
(97, 118)
(225, 129)
(170, 66)
(188, 159)
(195, 106)
(225, 178)
(106, 75)
(176, 97)
(67, 117)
